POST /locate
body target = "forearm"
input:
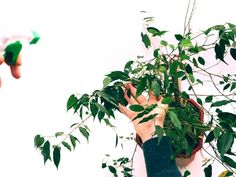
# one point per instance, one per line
(158, 158)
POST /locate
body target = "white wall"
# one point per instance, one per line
(80, 42)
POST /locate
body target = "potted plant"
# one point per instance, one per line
(172, 64)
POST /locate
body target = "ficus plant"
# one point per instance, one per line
(171, 64)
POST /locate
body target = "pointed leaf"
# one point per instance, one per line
(156, 88)
(46, 151)
(56, 156)
(84, 132)
(66, 145)
(175, 120)
(38, 141)
(136, 108)
(224, 142)
(208, 171)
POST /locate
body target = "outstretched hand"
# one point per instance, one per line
(144, 130)
(15, 70)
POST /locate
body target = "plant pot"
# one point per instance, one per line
(197, 148)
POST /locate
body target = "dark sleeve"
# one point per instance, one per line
(158, 159)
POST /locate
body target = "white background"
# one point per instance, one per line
(81, 41)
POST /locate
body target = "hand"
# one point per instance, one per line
(15, 70)
(144, 130)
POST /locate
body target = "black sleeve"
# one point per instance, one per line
(158, 159)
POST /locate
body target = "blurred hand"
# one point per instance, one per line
(15, 70)
(145, 130)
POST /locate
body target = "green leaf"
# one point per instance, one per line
(175, 120)
(208, 171)
(184, 95)
(224, 142)
(112, 169)
(179, 37)
(106, 81)
(233, 53)
(186, 173)
(141, 86)
(73, 140)
(156, 88)
(146, 119)
(188, 69)
(101, 115)
(191, 78)
(58, 134)
(186, 43)
(71, 102)
(167, 100)
(104, 165)
(159, 132)
(38, 141)
(221, 103)
(136, 108)
(84, 132)
(228, 117)
(155, 53)
(56, 156)
(199, 101)
(12, 52)
(219, 51)
(93, 108)
(230, 161)
(164, 43)
(155, 32)
(35, 39)
(210, 137)
(146, 40)
(201, 60)
(209, 99)
(216, 132)
(66, 145)
(226, 86)
(108, 98)
(46, 151)
(116, 75)
(173, 67)
(117, 140)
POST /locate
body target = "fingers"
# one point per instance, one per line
(1, 59)
(15, 71)
(140, 99)
(130, 99)
(126, 111)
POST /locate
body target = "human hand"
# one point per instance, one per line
(145, 130)
(15, 70)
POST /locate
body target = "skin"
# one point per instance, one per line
(144, 130)
(15, 70)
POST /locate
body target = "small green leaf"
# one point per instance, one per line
(230, 161)
(71, 102)
(141, 86)
(201, 60)
(219, 51)
(221, 103)
(188, 69)
(191, 78)
(216, 132)
(46, 151)
(226, 86)
(38, 141)
(233, 53)
(136, 108)
(167, 100)
(186, 173)
(56, 156)
(209, 99)
(155, 32)
(116, 75)
(66, 145)
(199, 101)
(146, 119)
(173, 67)
(164, 43)
(186, 43)
(156, 88)
(179, 37)
(112, 169)
(106, 81)
(224, 142)
(58, 134)
(73, 140)
(146, 40)
(159, 132)
(94, 109)
(210, 137)
(84, 132)
(104, 165)
(184, 95)
(101, 115)
(35, 39)
(175, 120)
(208, 171)
(155, 53)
